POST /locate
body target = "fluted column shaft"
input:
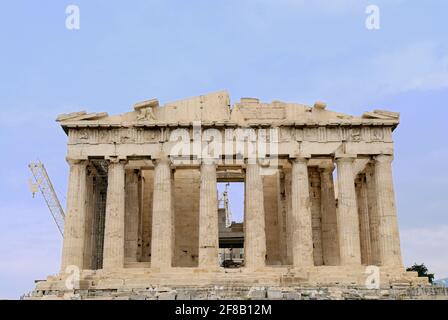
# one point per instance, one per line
(113, 256)
(162, 243)
(282, 216)
(301, 220)
(74, 229)
(254, 237)
(288, 199)
(389, 238)
(208, 217)
(89, 243)
(132, 215)
(373, 214)
(329, 219)
(364, 224)
(347, 213)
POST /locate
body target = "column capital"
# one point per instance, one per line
(345, 158)
(248, 161)
(299, 159)
(384, 158)
(113, 159)
(208, 161)
(162, 159)
(327, 167)
(72, 161)
(299, 156)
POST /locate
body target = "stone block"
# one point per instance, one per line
(110, 284)
(171, 295)
(292, 296)
(257, 293)
(274, 294)
(183, 295)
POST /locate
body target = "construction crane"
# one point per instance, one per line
(225, 200)
(43, 183)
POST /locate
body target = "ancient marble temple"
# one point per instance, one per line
(142, 205)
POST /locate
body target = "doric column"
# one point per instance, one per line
(132, 215)
(254, 224)
(329, 219)
(74, 229)
(288, 216)
(113, 256)
(208, 217)
(162, 243)
(364, 224)
(282, 214)
(347, 213)
(146, 214)
(89, 243)
(316, 214)
(301, 221)
(389, 239)
(373, 214)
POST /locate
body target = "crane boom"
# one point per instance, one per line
(43, 182)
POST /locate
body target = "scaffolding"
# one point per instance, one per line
(43, 183)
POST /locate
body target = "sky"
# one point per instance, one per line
(290, 50)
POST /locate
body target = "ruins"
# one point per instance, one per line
(142, 205)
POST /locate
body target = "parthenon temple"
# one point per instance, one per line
(142, 205)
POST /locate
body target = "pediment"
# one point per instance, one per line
(216, 108)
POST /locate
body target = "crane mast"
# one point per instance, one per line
(43, 183)
(225, 198)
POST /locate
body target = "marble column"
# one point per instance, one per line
(99, 219)
(132, 215)
(90, 245)
(301, 221)
(373, 214)
(329, 219)
(389, 238)
(146, 214)
(254, 224)
(288, 205)
(208, 217)
(74, 228)
(364, 224)
(113, 255)
(281, 213)
(316, 214)
(347, 213)
(162, 243)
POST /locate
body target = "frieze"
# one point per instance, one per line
(138, 135)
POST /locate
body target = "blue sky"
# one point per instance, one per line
(291, 50)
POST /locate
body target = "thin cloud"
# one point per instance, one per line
(418, 66)
(426, 245)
